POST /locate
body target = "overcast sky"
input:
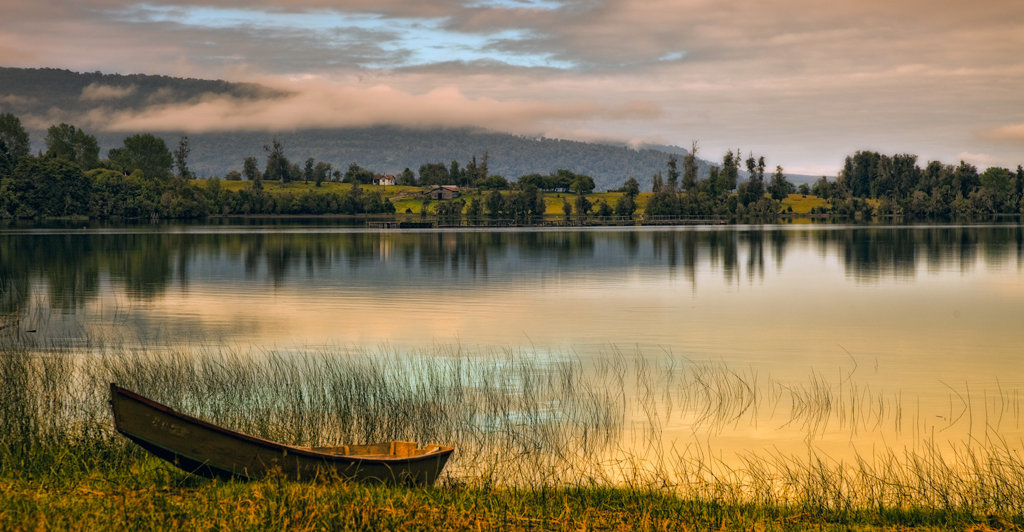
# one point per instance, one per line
(803, 82)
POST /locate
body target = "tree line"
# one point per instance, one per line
(682, 193)
(144, 179)
(936, 192)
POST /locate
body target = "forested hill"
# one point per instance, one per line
(44, 97)
(45, 92)
(386, 149)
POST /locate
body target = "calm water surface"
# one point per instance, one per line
(928, 318)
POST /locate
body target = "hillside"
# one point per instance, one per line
(42, 97)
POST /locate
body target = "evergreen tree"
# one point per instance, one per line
(181, 158)
(456, 174)
(780, 187)
(673, 174)
(730, 171)
(690, 170)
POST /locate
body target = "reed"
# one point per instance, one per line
(526, 427)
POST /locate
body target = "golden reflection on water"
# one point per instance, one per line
(919, 325)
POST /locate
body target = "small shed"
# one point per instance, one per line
(444, 192)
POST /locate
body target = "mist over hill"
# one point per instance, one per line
(44, 97)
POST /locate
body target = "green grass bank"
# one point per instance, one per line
(540, 446)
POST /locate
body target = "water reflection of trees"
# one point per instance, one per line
(72, 266)
(875, 253)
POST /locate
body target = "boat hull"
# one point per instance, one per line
(208, 450)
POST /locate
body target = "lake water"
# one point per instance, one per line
(923, 326)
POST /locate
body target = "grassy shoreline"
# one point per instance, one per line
(151, 495)
(533, 439)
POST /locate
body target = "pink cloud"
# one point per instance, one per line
(314, 103)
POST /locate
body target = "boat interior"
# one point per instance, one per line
(392, 449)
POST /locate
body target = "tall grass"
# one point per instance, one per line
(523, 422)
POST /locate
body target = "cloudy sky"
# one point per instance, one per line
(802, 82)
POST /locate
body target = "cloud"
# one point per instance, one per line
(317, 103)
(14, 99)
(1007, 133)
(98, 92)
(805, 81)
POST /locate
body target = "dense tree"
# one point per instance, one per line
(144, 152)
(753, 190)
(997, 183)
(965, 179)
(357, 174)
(561, 180)
(251, 172)
(536, 180)
(6, 164)
(470, 174)
(307, 170)
(67, 142)
(823, 188)
(321, 172)
(673, 174)
(582, 206)
(250, 169)
(858, 173)
(457, 175)
(494, 182)
(631, 188)
(625, 206)
(730, 171)
(690, 170)
(524, 205)
(581, 184)
(278, 167)
(1019, 181)
(475, 211)
(45, 187)
(450, 212)
(123, 196)
(14, 137)
(434, 174)
(483, 172)
(495, 204)
(407, 178)
(780, 187)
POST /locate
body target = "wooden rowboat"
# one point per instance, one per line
(205, 449)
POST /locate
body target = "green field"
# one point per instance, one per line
(411, 199)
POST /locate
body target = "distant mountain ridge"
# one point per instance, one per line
(43, 97)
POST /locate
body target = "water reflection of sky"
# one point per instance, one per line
(904, 294)
(926, 315)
